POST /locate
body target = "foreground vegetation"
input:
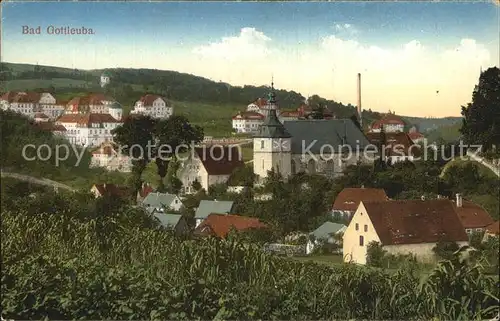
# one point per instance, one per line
(81, 258)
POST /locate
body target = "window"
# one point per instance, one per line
(468, 230)
(361, 240)
(357, 226)
(262, 144)
(479, 229)
(366, 228)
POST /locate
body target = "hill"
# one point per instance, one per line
(426, 125)
(129, 84)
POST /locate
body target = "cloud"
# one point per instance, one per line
(249, 44)
(347, 28)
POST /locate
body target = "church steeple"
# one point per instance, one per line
(272, 127)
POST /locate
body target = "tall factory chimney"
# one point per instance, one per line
(359, 101)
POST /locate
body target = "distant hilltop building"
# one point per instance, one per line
(154, 106)
(105, 79)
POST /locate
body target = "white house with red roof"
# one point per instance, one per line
(416, 136)
(247, 122)
(153, 105)
(108, 156)
(209, 165)
(402, 227)
(88, 129)
(96, 103)
(31, 103)
(390, 122)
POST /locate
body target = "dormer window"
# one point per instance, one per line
(262, 144)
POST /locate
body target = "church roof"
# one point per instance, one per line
(272, 127)
(322, 132)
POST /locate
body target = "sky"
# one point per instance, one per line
(415, 58)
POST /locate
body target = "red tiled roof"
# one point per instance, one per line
(349, 198)
(387, 119)
(221, 224)
(145, 190)
(49, 126)
(249, 115)
(260, 102)
(396, 144)
(78, 103)
(21, 97)
(494, 228)
(291, 113)
(41, 115)
(219, 160)
(113, 190)
(472, 215)
(147, 100)
(415, 221)
(87, 119)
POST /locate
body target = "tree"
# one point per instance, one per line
(481, 123)
(135, 139)
(242, 176)
(174, 136)
(375, 254)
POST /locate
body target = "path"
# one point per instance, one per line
(38, 181)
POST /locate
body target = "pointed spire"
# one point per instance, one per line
(272, 95)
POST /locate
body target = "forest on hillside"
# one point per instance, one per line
(129, 84)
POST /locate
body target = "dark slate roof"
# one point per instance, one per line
(325, 132)
(272, 127)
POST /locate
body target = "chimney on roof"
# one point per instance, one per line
(359, 101)
(459, 200)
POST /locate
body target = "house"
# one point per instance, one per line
(258, 106)
(474, 218)
(324, 233)
(154, 106)
(174, 222)
(88, 129)
(492, 230)
(311, 146)
(95, 103)
(208, 207)
(390, 123)
(31, 103)
(41, 118)
(416, 136)
(209, 165)
(247, 122)
(402, 227)
(347, 201)
(108, 156)
(106, 189)
(161, 202)
(398, 146)
(220, 225)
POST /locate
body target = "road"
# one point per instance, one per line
(38, 181)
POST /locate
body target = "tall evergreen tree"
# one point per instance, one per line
(481, 123)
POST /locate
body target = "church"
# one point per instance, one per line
(316, 146)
